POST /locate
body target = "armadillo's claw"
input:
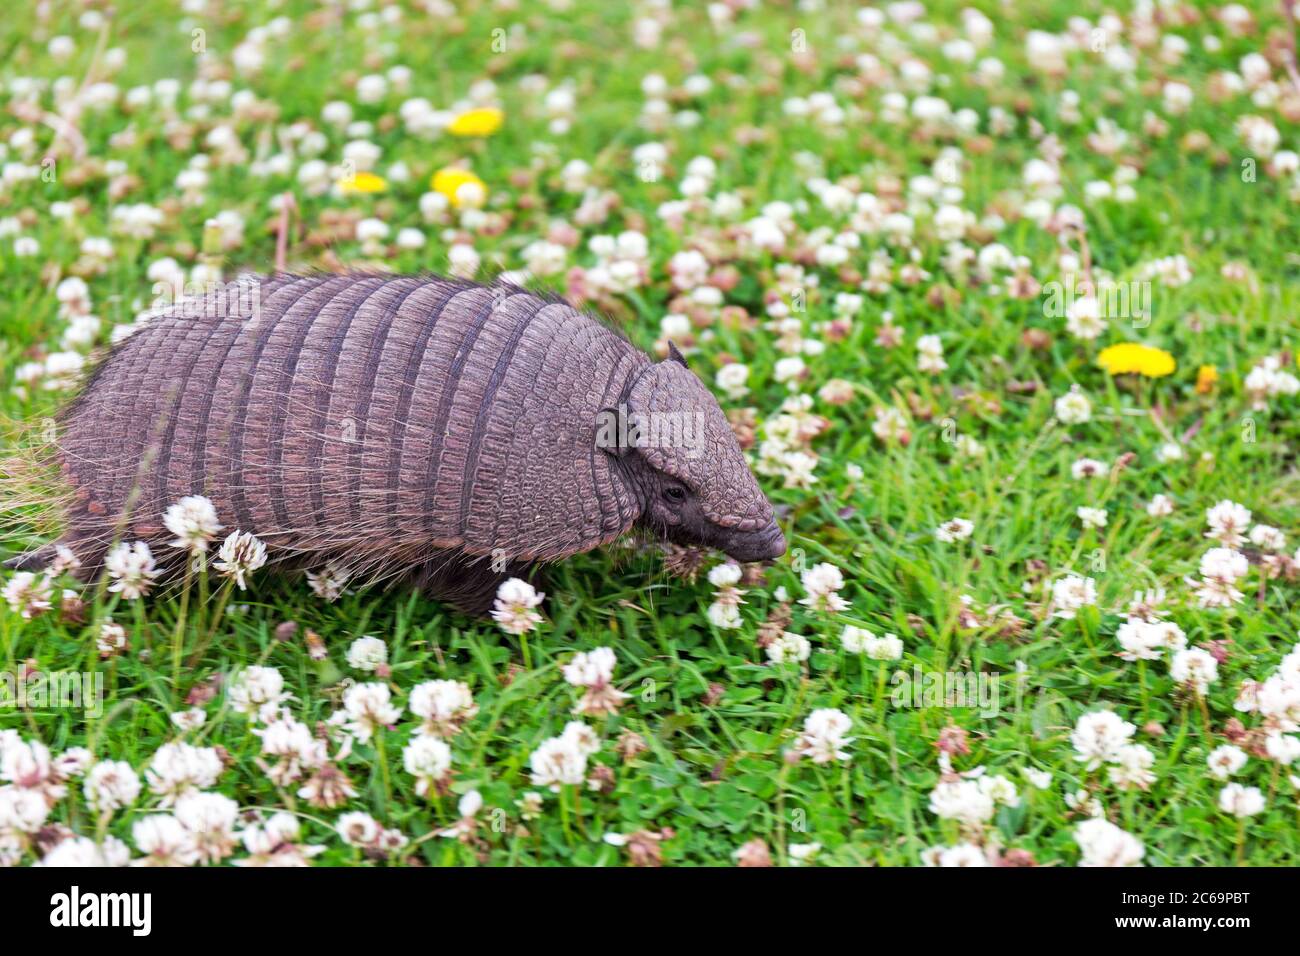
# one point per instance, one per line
(32, 560)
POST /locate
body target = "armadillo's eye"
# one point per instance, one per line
(675, 493)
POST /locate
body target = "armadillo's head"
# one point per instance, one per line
(677, 449)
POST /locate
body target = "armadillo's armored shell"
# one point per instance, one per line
(359, 414)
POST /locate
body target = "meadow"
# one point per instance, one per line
(1000, 298)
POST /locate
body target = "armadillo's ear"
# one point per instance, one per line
(675, 355)
(616, 431)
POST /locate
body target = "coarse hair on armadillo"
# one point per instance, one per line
(382, 424)
(34, 498)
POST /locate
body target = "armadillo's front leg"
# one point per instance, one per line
(468, 583)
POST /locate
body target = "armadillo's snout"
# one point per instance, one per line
(767, 544)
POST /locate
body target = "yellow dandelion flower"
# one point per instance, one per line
(480, 122)
(1131, 358)
(460, 186)
(362, 182)
(1206, 376)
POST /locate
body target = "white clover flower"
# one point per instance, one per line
(111, 785)
(293, 745)
(1104, 844)
(514, 607)
(1177, 97)
(588, 668)
(963, 855)
(411, 238)
(27, 764)
(1267, 538)
(823, 581)
(28, 594)
(178, 768)
(1041, 779)
(890, 425)
(467, 807)
(367, 654)
(1071, 593)
(954, 529)
(1085, 803)
(193, 520)
(725, 575)
(856, 639)
(1169, 452)
(1088, 468)
(1194, 667)
(789, 647)
(1084, 320)
(367, 708)
(255, 690)
(802, 854)
(1092, 517)
(581, 736)
(1147, 640)
(789, 370)
(428, 759)
(210, 820)
(22, 810)
(1220, 569)
(1260, 136)
(358, 829)
(81, 852)
(73, 762)
(62, 370)
(1225, 563)
(732, 380)
(276, 842)
(111, 640)
(594, 670)
(163, 841)
(132, 569)
(1228, 522)
(563, 760)
(963, 800)
(1132, 768)
(1269, 379)
(1161, 506)
(1278, 698)
(138, 220)
(328, 582)
(1283, 748)
(999, 789)
(929, 355)
(241, 554)
(1073, 408)
(724, 616)
(1226, 761)
(1098, 737)
(443, 705)
(887, 647)
(824, 737)
(1241, 801)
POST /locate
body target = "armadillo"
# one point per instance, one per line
(414, 423)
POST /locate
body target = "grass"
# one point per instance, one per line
(717, 719)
